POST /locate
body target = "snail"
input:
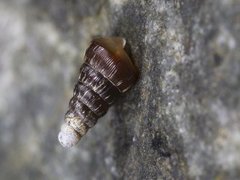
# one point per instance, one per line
(106, 73)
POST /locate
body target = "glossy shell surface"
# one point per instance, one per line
(106, 73)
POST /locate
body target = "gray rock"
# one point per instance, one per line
(180, 121)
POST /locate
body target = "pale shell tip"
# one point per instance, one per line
(68, 137)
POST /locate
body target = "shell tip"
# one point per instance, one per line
(68, 137)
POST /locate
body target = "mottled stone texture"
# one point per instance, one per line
(181, 120)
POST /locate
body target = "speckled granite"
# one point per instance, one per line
(181, 120)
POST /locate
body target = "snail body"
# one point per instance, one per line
(106, 73)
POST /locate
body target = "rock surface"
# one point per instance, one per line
(181, 120)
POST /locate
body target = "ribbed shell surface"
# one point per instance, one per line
(105, 74)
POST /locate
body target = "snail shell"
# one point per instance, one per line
(106, 73)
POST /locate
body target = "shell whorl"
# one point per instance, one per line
(106, 73)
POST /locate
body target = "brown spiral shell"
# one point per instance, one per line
(106, 73)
